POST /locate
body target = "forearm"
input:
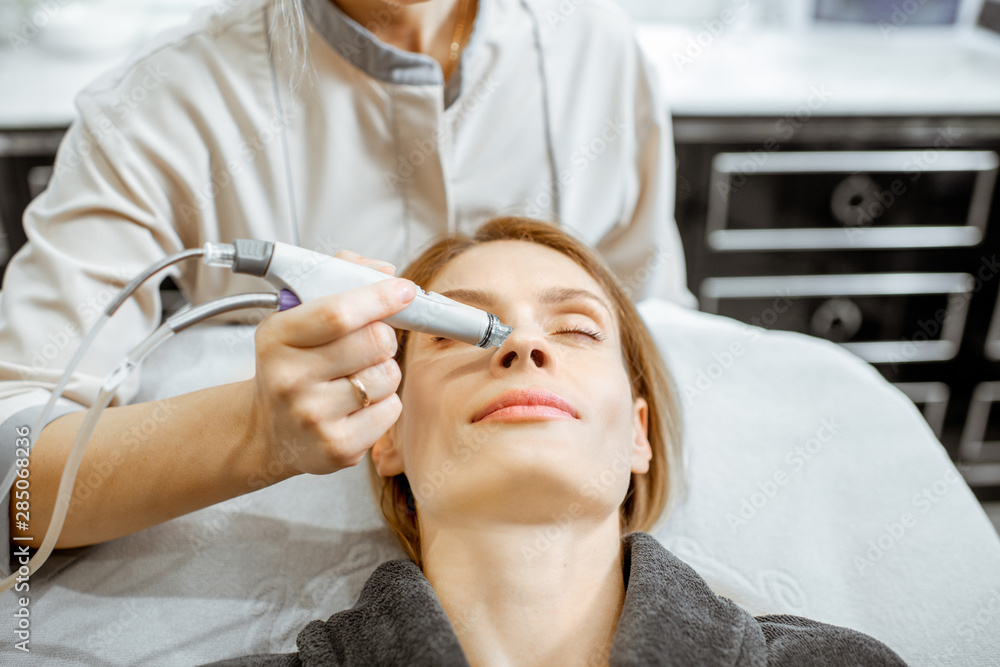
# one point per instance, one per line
(148, 463)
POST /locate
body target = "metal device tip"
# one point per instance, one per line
(499, 334)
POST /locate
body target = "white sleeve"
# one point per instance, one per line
(99, 223)
(89, 233)
(627, 248)
(16, 412)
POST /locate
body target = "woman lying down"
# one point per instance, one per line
(570, 430)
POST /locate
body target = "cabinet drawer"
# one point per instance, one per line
(981, 435)
(931, 398)
(849, 199)
(881, 317)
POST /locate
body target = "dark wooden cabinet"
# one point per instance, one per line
(26, 158)
(881, 234)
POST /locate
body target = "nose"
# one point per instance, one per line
(523, 345)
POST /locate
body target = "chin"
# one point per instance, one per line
(515, 487)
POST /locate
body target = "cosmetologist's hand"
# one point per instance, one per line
(304, 408)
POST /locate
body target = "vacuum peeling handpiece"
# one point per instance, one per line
(302, 275)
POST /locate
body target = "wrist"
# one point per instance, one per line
(265, 464)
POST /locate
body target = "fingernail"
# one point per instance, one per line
(406, 290)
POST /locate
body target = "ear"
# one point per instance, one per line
(642, 452)
(386, 456)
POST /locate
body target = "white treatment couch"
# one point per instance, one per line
(817, 489)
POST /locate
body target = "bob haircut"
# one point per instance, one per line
(650, 495)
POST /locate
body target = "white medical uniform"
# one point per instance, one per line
(552, 113)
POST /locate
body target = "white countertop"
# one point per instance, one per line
(37, 87)
(739, 72)
(43, 68)
(826, 72)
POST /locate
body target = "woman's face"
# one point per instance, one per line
(519, 463)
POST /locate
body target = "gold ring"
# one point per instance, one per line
(359, 389)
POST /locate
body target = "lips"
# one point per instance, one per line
(527, 403)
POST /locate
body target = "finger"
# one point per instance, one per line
(365, 427)
(332, 401)
(369, 346)
(377, 381)
(330, 317)
(377, 264)
(350, 256)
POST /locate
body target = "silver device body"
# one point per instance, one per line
(310, 275)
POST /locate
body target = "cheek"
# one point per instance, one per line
(612, 395)
(613, 425)
(425, 418)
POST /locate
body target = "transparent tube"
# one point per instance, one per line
(126, 291)
(108, 389)
(175, 324)
(58, 390)
(219, 254)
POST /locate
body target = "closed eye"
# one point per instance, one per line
(596, 335)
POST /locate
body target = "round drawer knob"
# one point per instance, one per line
(854, 202)
(836, 320)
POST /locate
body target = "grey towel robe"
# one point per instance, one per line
(670, 617)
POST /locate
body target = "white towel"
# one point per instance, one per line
(817, 489)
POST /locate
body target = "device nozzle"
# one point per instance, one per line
(496, 334)
(219, 254)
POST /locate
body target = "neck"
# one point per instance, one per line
(528, 594)
(424, 27)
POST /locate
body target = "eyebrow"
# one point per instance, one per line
(549, 296)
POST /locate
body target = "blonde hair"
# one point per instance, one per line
(287, 33)
(651, 495)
